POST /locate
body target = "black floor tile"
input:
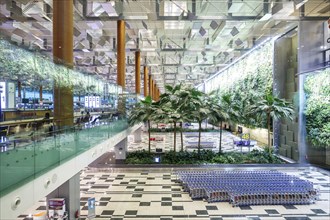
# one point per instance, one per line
(176, 190)
(84, 208)
(245, 207)
(124, 182)
(108, 181)
(107, 212)
(103, 204)
(253, 218)
(117, 219)
(321, 179)
(201, 212)
(138, 190)
(144, 173)
(99, 187)
(166, 199)
(211, 207)
(134, 180)
(166, 187)
(297, 218)
(84, 198)
(130, 187)
(215, 218)
(82, 203)
(176, 195)
(90, 183)
(105, 198)
(166, 204)
(131, 212)
(177, 208)
(150, 178)
(271, 211)
(141, 183)
(42, 207)
(290, 207)
(165, 218)
(137, 195)
(144, 203)
(318, 211)
(119, 178)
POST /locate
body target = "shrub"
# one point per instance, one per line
(206, 156)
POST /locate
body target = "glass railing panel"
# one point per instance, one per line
(16, 166)
(82, 140)
(66, 143)
(44, 151)
(47, 154)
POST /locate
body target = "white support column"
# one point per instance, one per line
(120, 150)
(138, 135)
(70, 190)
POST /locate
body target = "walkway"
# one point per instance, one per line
(154, 194)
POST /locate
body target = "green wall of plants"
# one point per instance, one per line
(249, 77)
(317, 109)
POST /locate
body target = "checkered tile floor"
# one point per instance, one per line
(154, 194)
(168, 138)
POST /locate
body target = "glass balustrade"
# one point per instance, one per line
(43, 151)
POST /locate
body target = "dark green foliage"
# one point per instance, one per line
(317, 110)
(178, 129)
(205, 157)
(139, 157)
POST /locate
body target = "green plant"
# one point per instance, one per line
(273, 107)
(143, 112)
(203, 157)
(317, 109)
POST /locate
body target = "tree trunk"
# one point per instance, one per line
(199, 137)
(220, 137)
(149, 144)
(181, 136)
(174, 146)
(268, 127)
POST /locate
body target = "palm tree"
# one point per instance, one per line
(274, 108)
(198, 109)
(218, 113)
(173, 103)
(142, 112)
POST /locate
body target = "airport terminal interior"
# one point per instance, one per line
(165, 109)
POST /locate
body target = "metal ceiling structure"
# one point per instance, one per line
(180, 40)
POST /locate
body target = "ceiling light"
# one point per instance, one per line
(299, 3)
(234, 31)
(235, 7)
(266, 17)
(214, 25)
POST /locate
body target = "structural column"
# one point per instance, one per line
(40, 93)
(63, 54)
(138, 135)
(145, 81)
(19, 90)
(120, 150)
(137, 72)
(150, 86)
(121, 53)
(70, 191)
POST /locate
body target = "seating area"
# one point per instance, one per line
(242, 188)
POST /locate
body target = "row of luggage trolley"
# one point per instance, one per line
(248, 187)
